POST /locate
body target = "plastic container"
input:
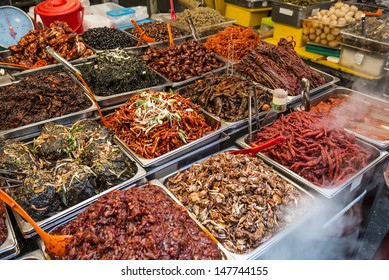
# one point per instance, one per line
(121, 18)
(102, 9)
(280, 99)
(94, 21)
(267, 27)
(69, 11)
(293, 15)
(362, 60)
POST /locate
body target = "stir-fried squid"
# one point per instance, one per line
(155, 123)
(242, 201)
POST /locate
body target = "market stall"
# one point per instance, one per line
(129, 142)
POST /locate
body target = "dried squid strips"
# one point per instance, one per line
(64, 166)
(238, 198)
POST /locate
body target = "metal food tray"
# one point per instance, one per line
(386, 174)
(9, 248)
(345, 92)
(28, 231)
(5, 54)
(202, 141)
(34, 255)
(188, 81)
(32, 128)
(351, 183)
(251, 3)
(293, 15)
(309, 200)
(225, 253)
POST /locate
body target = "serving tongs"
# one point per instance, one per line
(11, 183)
(142, 34)
(254, 150)
(76, 76)
(305, 95)
(55, 244)
(192, 28)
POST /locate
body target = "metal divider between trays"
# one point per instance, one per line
(309, 200)
(10, 248)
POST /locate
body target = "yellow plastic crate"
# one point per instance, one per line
(285, 31)
(247, 16)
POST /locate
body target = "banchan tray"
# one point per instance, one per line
(188, 81)
(120, 97)
(351, 184)
(28, 231)
(10, 248)
(362, 99)
(226, 255)
(36, 255)
(308, 204)
(216, 124)
(32, 128)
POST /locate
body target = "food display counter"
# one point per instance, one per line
(149, 158)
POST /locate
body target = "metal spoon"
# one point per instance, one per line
(55, 244)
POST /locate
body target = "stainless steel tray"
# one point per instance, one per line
(32, 128)
(206, 139)
(345, 92)
(28, 231)
(309, 200)
(225, 253)
(34, 255)
(10, 247)
(188, 81)
(350, 184)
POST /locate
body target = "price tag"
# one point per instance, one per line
(356, 182)
(286, 12)
(358, 58)
(264, 3)
(315, 11)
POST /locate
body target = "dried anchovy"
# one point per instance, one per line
(117, 71)
(157, 30)
(3, 226)
(225, 96)
(64, 166)
(138, 223)
(40, 97)
(238, 198)
(106, 38)
(202, 16)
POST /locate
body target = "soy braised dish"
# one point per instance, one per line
(64, 166)
(39, 97)
(140, 223)
(238, 198)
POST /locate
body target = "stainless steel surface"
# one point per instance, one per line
(218, 126)
(9, 249)
(305, 96)
(62, 61)
(345, 92)
(28, 231)
(32, 128)
(250, 135)
(258, 126)
(308, 200)
(350, 184)
(225, 253)
(192, 28)
(34, 255)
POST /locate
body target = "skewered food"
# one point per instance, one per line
(324, 154)
(225, 96)
(39, 97)
(64, 167)
(138, 223)
(238, 198)
(155, 123)
(31, 48)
